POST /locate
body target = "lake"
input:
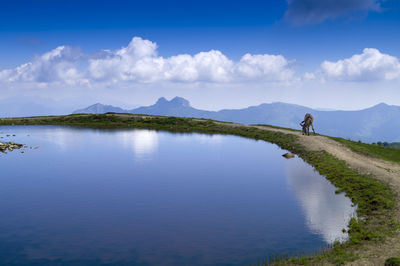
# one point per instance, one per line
(143, 197)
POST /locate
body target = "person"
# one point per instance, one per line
(306, 123)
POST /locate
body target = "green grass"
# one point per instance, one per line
(392, 262)
(373, 150)
(375, 199)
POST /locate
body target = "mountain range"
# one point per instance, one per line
(378, 123)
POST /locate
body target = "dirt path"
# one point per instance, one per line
(386, 171)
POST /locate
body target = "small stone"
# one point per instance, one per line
(288, 155)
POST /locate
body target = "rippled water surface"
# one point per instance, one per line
(143, 197)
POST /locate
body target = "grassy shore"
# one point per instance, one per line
(375, 199)
(377, 151)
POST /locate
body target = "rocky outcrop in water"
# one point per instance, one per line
(10, 146)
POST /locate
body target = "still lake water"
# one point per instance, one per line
(142, 197)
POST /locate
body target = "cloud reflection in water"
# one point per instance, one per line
(142, 142)
(326, 213)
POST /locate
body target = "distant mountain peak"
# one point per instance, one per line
(161, 100)
(380, 106)
(176, 101)
(99, 108)
(180, 101)
(98, 105)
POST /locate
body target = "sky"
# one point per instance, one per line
(332, 54)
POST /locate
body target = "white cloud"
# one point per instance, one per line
(267, 67)
(309, 76)
(139, 63)
(58, 65)
(368, 66)
(212, 66)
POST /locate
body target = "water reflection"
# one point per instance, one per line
(326, 212)
(142, 142)
(203, 138)
(196, 200)
(64, 138)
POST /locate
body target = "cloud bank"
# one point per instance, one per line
(302, 12)
(371, 65)
(139, 63)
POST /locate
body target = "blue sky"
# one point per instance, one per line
(287, 41)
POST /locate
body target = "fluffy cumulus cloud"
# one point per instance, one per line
(58, 65)
(139, 63)
(371, 65)
(269, 67)
(302, 12)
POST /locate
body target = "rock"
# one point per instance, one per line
(10, 146)
(288, 155)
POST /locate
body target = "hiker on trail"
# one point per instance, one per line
(306, 123)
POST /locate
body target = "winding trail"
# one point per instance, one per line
(374, 254)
